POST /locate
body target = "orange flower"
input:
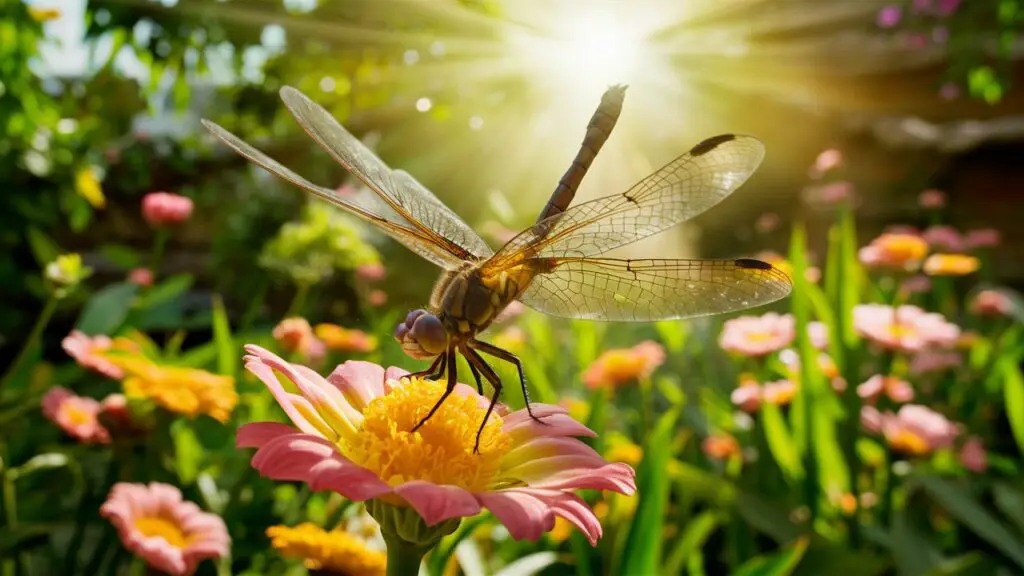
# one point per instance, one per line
(720, 447)
(624, 365)
(951, 265)
(894, 250)
(187, 391)
(344, 340)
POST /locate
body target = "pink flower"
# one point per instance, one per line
(76, 415)
(141, 277)
(377, 298)
(165, 208)
(982, 238)
(624, 365)
(757, 335)
(889, 16)
(949, 91)
(932, 199)
(767, 222)
(973, 455)
(947, 7)
(94, 352)
(827, 161)
(116, 416)
(353, 435)
(296, 335)
(829, 194)
(168, 533)
(944, 238)
(899, 251)
(907, 328)
(818, 333)
(928, 361)
(992, 303)
(897, 390)
(747, 397)
(779, 393)
(371, 272)
(915, 430)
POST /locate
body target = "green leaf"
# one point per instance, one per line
(124, 256)
(696, 534)
(188, 451)
(165, 291)
(769, 518)
(781, 564)
(227, 356)
(107, 309)
(912, 552)
(700, 483)
(23, 538)
(971, 564)
(781, 443)
(1013, 392)
(961, 506)
(43, 247)
(642, 551)
(1010, 501)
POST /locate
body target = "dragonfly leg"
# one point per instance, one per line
(478, 363)
(511, 358)
(452, 380)
(435, 371)
(476, 376)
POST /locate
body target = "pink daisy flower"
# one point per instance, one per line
(982, 238)
(992, 303)
(170, 534)
(624, 365)
(932, 199)
(747, 396)
(165, 208)
(296, 335)
(894, 388)
(929, 361)
(894, 250)
(916, 430)
(944, 238)
(92, 352)
(757, 335)
(351, 433)
(907, 328)
(973, 455)
(76, 415)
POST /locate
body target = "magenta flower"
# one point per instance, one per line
(931, 199)
(915, 430)
(826, 161)
(982, 238)
(170, 534)
(944, 238)
(141, 277)
(351, 434)
(757, 335)
(77, 416)
(895, 389)
(907, 328)
(164, 209)
(747, 397)
(889, 16)
(973, 455)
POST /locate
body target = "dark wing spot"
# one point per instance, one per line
(710, 144)
(751, 263)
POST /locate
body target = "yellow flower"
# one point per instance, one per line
(187, 391)
(951, 265)
(622, 449)
(335, 552)
(512, 339)
(87, 184)
(344, 340)
(43, 14)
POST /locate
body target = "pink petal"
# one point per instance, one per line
(617, 477)
(438, 503)
(256, 434)
(360, 382)
(284, 399)
(547, 447)
(525, 515)
(575, 510)
(539, 410)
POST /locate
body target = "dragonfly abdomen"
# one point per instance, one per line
(598, 130)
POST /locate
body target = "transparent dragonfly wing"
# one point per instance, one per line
(684, 188)
(652, 289)
(410, 237)
(411, 204)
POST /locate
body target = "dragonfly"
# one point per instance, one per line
(554, 266)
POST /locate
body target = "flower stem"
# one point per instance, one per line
(17, 565)
(299, 301)
(159, 245)
(404, 558)
(41, 321)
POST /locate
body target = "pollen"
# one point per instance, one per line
(156, 527)
(441, 451)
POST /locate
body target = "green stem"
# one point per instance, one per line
(254, 305)
(11, 519)
(159, 245)
(298, 302)
(404, 559)
(30, 343)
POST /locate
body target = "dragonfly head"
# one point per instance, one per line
(422, 335)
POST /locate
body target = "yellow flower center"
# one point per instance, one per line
(156, 527)
(623, 365)
(441, 451)
(760, 337)
(335, 551)
(902, 331)
(76, 415)
(908, 442)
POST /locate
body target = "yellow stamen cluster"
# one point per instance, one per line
(441, 451)
(187, 391)
(909, 443)
(157, 527)
(336, 551)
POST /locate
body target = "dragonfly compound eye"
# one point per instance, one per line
(422, 335)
